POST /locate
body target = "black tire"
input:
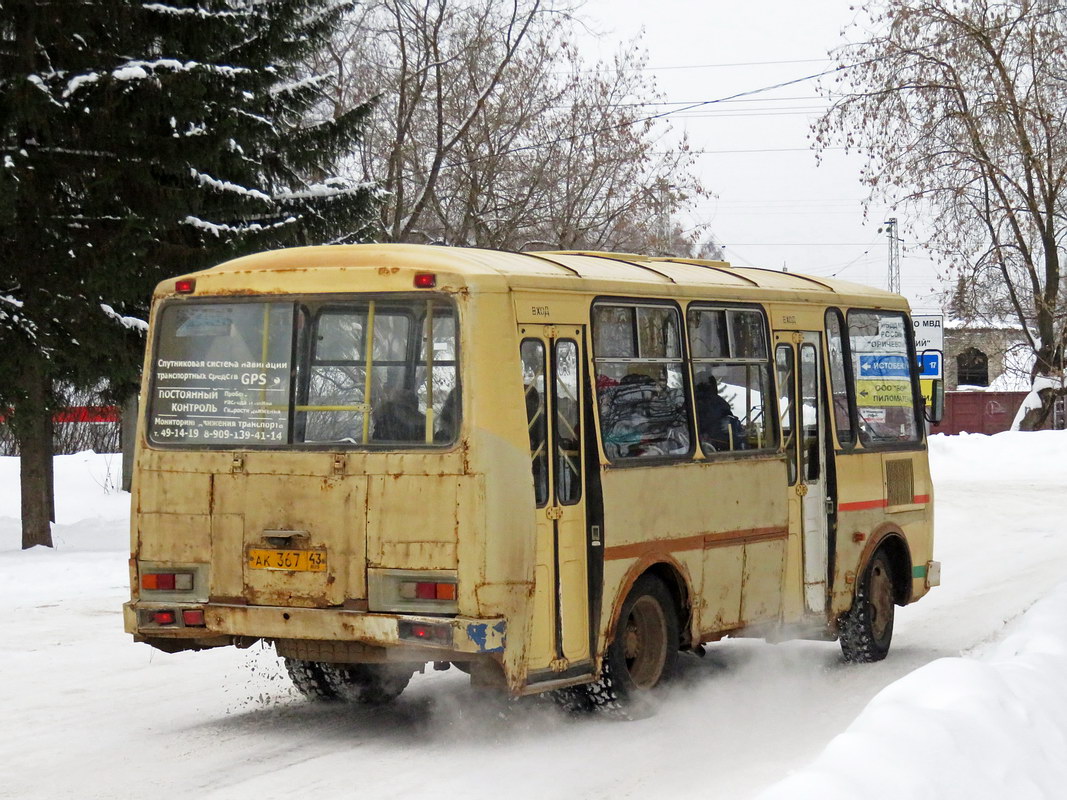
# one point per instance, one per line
(866, 630)
(368, 684)
(642, 655)
(309, 677)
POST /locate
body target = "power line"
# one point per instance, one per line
(719, 100)
(748, 150)
(797, 201)
(801, 244)
(738, 64)
(650, 117)
(710, 66)
(770, 112)
(646, 103)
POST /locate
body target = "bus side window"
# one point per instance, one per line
(640, 381)
(731, 378)
(787, 405)
(809, 410)
(532, 353)
(839, 384)
(568, 447)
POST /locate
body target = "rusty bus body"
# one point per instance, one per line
(392, 455)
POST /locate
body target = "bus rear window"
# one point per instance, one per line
(222, 374)
(380, 372)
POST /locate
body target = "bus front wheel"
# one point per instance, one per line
(866, 629)
(644, 651)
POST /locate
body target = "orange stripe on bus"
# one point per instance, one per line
(864, 505)
(698, 542)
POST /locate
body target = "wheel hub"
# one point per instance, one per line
(645, 642)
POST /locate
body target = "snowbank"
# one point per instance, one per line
(92, 512)
(992, 724)
(988, 727)
(1012, 455)
(1033, 399)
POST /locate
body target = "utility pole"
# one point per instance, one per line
(894, 254)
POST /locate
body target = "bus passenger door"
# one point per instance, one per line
(798, 360)
(552, 365)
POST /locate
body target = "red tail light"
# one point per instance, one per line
(420, 632)
(162, 617)
(185, 286)
(427, 590)
(193, 617)
(167, 581)
(158, 581)
(425, 280)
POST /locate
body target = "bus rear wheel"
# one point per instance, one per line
(643, 653)
(866, 629)
(368, 684)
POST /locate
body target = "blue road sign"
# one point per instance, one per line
(883, 367)
(930, 365)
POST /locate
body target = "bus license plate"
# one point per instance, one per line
(289, 560)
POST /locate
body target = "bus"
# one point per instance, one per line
(555, 471)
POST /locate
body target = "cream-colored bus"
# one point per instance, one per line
(552, 470)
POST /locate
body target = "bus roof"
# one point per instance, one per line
(555, 270)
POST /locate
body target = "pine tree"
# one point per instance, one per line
(139, 140)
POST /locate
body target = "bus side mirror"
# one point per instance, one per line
(936, 410)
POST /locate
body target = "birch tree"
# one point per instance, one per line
(493, 130)
(961, 107)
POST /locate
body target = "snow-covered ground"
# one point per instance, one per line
(970, 703)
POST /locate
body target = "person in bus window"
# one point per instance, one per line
(398, 419)
(719, 428)
(447, 418)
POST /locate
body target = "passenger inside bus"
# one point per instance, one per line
(447, 420)
(398, 419)
(641, 417)
(719, 428)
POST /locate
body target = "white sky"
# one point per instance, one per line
(772, 208)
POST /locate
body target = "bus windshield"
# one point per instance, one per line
(374, 371)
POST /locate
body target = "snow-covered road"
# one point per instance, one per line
(89, 714)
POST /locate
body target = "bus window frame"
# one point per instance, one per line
(850, 384)
(773, 432)
(687, 389)
(308, 306)
(919, 442)
(540, 502)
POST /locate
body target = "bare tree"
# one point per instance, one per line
(962, 107)
(491, 130)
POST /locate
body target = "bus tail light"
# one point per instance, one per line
(185, 286)
(166, 617)
(167, 581)
(425, 632)
(427, 590)
(193, 617)
(425, 280)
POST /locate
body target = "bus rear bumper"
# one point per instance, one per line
(233, 624)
